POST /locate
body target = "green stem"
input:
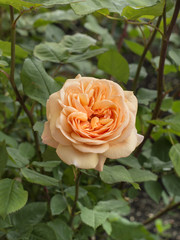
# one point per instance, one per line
(141, 61)
(11, 78)
(77, 181)
(162, 212)
(160, 77)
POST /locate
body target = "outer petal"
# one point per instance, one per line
(47, 138)
(131, 101)
(71, 156)
(92, 149)
(101, 162)
(125, 148)
(54, 113)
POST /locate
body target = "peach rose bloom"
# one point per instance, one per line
(90, 120)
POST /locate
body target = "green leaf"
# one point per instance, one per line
(115, 174)
(107, 227)
(129, 161)
(113, 63)
(176, 106)
(27, 150)
(133, 67)
(111, 206)
(16, 157)
(48, 164)
(161, 148)
(57, 204)
(55, 16)
(12, 196)
(135, 12)
(89, 6)
(70, 192)
(51, 51)
(38, 178)
(126, 230)
(146, 95)
(31, 214)
(175, 56)
(6, 48)
(61, 229)
(139, 175)
(77, 42)
(42, 231)
(19, 4)
(166, 104)
(174, 155)
(138, 49)
(85, 55)
(38, 127)
(172, 184)
(93, 218)
(3, 157)
(37, 84)
(8, 139)
(92, 25)
(50, 3)
(154, 190)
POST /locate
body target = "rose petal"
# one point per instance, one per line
(89, 141)
(71, 156)
(123, 149)
(101, 162)
(47, 138)
(127, 131)
(131, 101)
(54, 114)
(92, 149)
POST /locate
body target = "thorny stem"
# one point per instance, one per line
(141, 61)
(160, 77)
(11, 78)
(162, 212)
(77, 180)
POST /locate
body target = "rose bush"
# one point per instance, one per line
(90, 120)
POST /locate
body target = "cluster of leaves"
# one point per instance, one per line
(56, 40)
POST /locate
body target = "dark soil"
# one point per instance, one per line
(143, 207)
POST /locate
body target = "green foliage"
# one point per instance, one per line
(113, 63)
(57, 204)
(6, 50)
(37, 84)
(12, 196)
(55, 41)
(3, 157)
(137, 49)
(19, 4)
(38, 178)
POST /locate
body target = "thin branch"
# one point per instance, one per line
(162, 212)
(143, 35)
(164, 18)
(18, 96)
(160, 78)
(123, 35)
(136, 23)
(141, 61)
(77, 181)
